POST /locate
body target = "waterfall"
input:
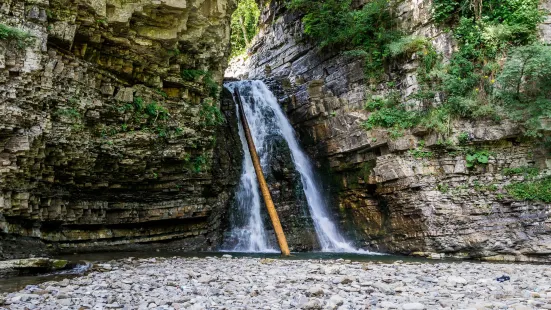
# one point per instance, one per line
(248, 233)
(265, 118)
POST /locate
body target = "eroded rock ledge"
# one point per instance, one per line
(102, 141)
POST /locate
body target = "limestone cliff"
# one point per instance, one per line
(403, 197)
(110, 132)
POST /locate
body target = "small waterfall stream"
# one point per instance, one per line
(266, 118)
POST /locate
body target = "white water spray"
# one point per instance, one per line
(248, 233)
(266, 118)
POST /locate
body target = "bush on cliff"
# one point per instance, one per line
(364, 32)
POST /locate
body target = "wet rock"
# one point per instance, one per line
(21, 266)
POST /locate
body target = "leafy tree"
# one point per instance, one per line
(524, 86)
(363, 32)
(244, 25)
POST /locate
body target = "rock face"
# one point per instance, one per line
(110, 132)
(409, 194)
(287, 193)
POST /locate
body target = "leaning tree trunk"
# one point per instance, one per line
(244, 29)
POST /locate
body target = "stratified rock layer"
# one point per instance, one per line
(102, 142)
(401, 199)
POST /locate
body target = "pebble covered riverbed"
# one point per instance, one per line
(254, 283)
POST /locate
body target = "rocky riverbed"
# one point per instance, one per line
(253, 283)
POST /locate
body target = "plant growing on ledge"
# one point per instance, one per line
(527, 172)
(539, 190)
(193, 75)
(199, 164)
(389, 113)
(477, 158)
(157, 111)
(71, 113)
(210, 114)
(20, 38)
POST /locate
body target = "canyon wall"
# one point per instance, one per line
(110, 133)
(402, 199)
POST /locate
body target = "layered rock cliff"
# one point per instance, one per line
(415, 193)
(110, 132)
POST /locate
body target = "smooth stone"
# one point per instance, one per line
(413, 306)
(388, 305)
(453, 280)
(313, 304)
(315, 291)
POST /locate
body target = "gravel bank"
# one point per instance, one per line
(247, 283)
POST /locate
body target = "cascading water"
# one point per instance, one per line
(248, 233)
(266, 118)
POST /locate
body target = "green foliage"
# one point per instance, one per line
(520, 17)
(484, 188)
(210, 114)
(71, 113)
(207, 80)
(199, 164)
(389, 113)
(463, 138)
(174, 52)
(477, 158)
(192, 75)
(162, 93)
(138, 103)
(151, 117)
(19, 38)
(528, 172)
(443, 188)
(471, 85)
(408, 45)
(244, 23)
(419, 153)
(157, 111)
(365, 32)
(485, 32)
(539, 190)
(212, 86)
(525, 86)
